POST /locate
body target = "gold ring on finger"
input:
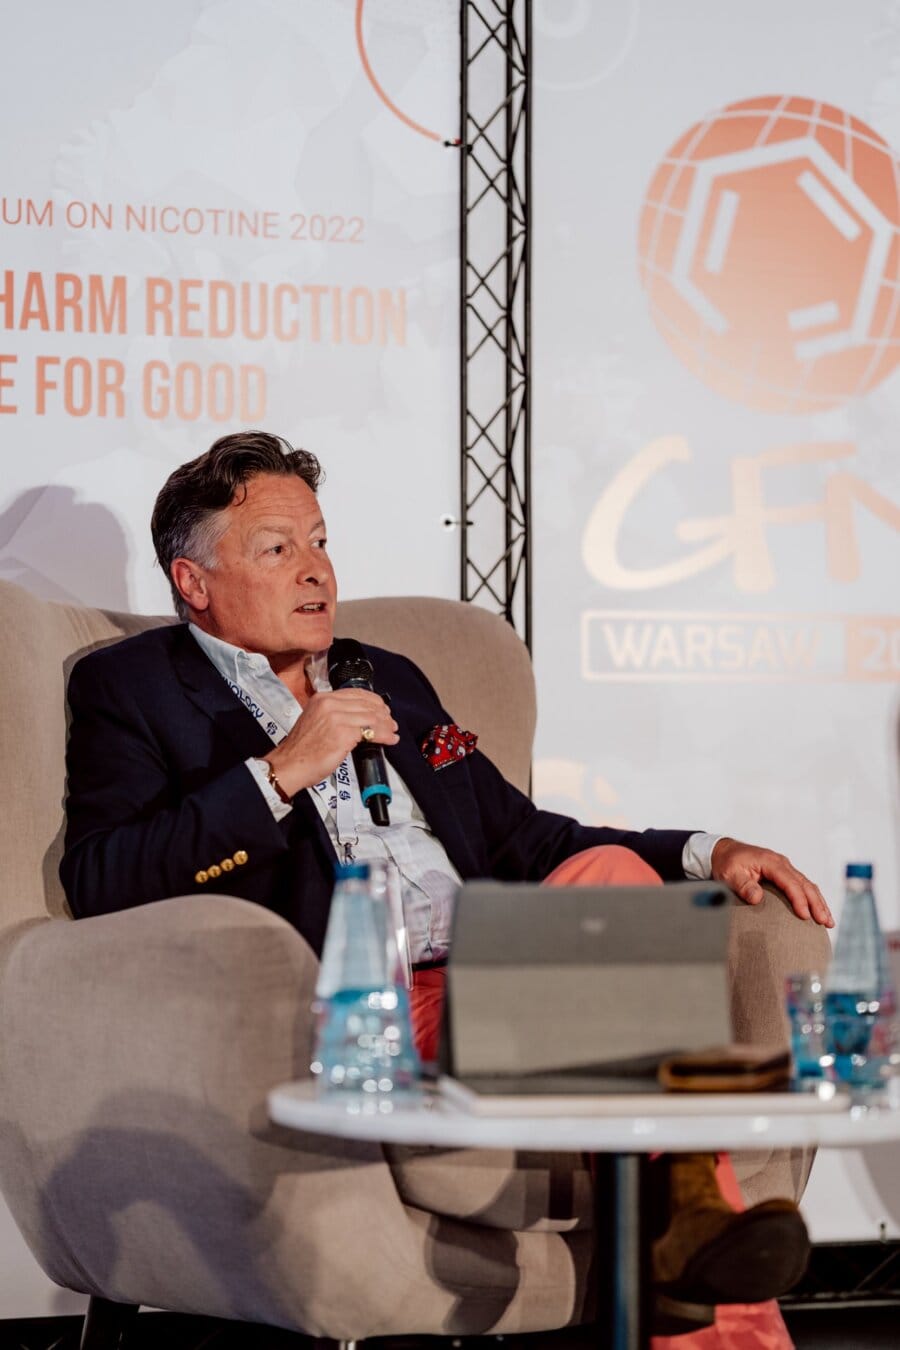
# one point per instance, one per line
(367, 734)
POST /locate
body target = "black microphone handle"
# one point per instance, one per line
(368, 758)
(368, 761)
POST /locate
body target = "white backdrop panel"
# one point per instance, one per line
(227, 214)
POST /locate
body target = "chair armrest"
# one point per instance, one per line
(205, 998)
(768, 942)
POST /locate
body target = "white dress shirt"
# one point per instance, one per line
(430, 880)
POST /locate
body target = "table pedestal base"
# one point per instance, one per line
(623, 1268)
(624, 1202)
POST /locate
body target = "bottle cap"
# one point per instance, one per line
(863, 870)
(349, 871)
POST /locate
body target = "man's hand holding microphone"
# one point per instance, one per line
(350, 718)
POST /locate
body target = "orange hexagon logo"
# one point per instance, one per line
(769, 249)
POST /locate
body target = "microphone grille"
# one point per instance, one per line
(347, 661)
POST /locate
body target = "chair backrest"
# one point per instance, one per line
(479, 667)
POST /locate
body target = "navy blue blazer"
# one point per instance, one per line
(158, 791)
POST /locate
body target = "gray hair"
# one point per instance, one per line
(188, 519)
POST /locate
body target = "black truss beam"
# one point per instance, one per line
(495, 308)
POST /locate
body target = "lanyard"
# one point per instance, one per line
(335, 793)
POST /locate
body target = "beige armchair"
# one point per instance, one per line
(136, 1051)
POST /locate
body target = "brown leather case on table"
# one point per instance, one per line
(727, 1068)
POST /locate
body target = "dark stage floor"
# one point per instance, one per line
(818, 1329)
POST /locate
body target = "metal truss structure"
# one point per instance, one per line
(495, 421)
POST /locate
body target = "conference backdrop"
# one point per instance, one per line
(716, 494)
(226, 213)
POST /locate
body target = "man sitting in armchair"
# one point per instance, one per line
(213, 754)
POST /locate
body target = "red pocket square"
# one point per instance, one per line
(446, 744)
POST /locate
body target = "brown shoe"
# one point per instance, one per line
(711, 1254)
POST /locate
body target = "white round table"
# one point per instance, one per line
(629, 1128)
(643, 1123)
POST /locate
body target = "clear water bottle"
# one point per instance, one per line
(861, 1001)
(363, 1042)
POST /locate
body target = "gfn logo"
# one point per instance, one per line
(670, 645)
(769, 250)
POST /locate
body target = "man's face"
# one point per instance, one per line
(272, 589)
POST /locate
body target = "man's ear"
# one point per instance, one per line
(190, 582)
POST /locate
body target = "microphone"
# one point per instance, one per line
(350, 668)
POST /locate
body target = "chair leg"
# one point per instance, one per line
(106, 1324)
